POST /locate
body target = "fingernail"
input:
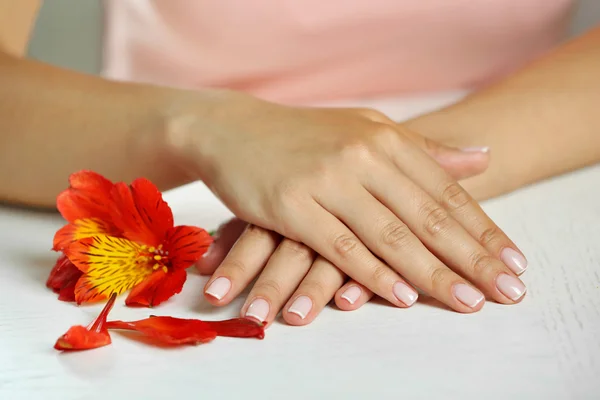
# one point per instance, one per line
(301, 306)
(510, 286)
(219, 288)
(405, 293)
(467, 295)
(482, 149)
(513, 260)
(351, 294)
(258, 309)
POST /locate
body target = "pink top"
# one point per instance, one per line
(313, 50)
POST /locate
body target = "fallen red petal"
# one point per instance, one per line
(238, 327)
(63, 278)
(156, 288)
(169, 330)
(91, 337)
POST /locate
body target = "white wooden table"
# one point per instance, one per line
(547, 347)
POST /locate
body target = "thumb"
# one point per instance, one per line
(460, 163)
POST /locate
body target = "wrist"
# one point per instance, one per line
(461, 127)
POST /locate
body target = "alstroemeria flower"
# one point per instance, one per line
(123, 237)
(175, 331)
(63, 278)
(93, 336)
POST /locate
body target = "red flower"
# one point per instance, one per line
(120, 238)
(63, 278)
(93, 336)
(174, 331)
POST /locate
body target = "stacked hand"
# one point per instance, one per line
(344, 204)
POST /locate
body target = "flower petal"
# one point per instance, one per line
(80, 229)
(63, 278)
(154, 211)
(110, 265)
(186, 245)
(127, 218)
(169, 330)
(89, 196)
(93, 336)
(156, 288)
(238, 327)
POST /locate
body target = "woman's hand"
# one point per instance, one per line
(323, 281)
(353, 187)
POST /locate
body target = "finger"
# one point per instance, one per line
(442, 235)
(461, 206)
(223, 240)
(314, 293)
(324, 233)
(246, 259)
(392, 240)
(352, 296)
(281, 276)
(459, 163)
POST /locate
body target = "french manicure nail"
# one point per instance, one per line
(467, 295)
(351, 294)
(405, 293)
(219, 288)
(513, 260)
(510, 286)
(301, 306)
(482, 149)
(258, 309)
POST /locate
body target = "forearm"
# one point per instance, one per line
(540, 122)
(54, 122)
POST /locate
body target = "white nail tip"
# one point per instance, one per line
(348, 299)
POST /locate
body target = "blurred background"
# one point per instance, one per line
(69, 33)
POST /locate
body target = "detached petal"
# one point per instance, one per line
(93, 336)
(156, 288)
(186, 245)
(80, 229)
(110, 265)
(169, 330)
(63, 278)
(89, 196)
(238, 327)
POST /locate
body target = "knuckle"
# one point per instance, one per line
(358, 151)
(480, 263)
(454, 196)
(395, 235)
(345, 246)
(379, 274)
(439, 278)
(489, 236)
(373, 115)
(234, 267)
(296, 249)
(256, 232)
(314, 289)
(436, 220)
(270, 288)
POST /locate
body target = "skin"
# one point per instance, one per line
(417, 226)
